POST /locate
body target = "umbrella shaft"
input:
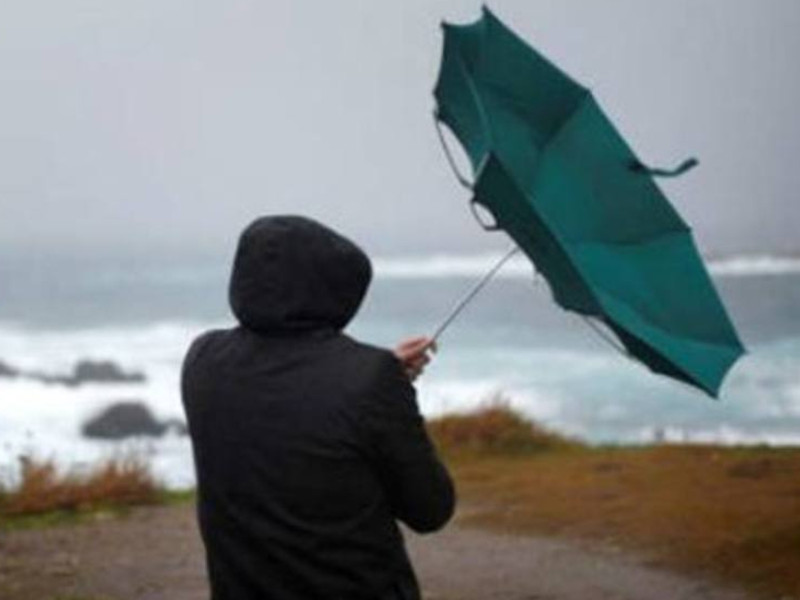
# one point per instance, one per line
(479, 285)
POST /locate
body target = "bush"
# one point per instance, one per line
(495, 427)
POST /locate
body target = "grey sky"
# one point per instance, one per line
(169, 124)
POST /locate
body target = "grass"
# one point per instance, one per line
(730, 512)
(45, 495)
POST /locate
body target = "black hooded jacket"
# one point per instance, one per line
(307, 444)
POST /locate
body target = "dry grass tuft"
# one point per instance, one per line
(496, 428)
(42, 488)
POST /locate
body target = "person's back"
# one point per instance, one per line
(308, 445)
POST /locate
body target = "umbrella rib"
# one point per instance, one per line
(635, 242)
(465, 183)
(608, 339)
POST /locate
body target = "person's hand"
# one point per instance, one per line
(415, 353)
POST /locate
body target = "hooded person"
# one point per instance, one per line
(308, 445)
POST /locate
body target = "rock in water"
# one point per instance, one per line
(8, 371)
(103, 371)
(87, 371)
(122, 420)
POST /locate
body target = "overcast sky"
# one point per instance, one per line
(166, 125)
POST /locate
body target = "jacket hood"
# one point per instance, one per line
(293, 274)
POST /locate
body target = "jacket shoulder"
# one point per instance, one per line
(371, 360)
(200, 345)
(387, 390)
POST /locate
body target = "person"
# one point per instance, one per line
(308, 445)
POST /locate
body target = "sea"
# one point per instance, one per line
(512, 344)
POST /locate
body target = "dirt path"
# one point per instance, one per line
(155, 554)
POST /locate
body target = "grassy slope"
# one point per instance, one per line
(732, 512)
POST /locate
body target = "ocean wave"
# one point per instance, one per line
(744, 266)
(449, 265)
(185, 276)
(440, 266)
(133, 346)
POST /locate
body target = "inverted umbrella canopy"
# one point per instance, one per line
(560, 180)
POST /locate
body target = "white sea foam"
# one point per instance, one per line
(464, 265)
(743, 266)
(449, 265)
(430, 266)
(133, 346)
(46, 419)
(587, 392)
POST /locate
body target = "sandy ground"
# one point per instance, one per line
(156, 554)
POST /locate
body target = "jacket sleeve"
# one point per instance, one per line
(416, 482)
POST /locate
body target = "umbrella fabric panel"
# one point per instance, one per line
(695, 362)
(514, 213)
(660, 295)
(459, 105)
(659, 280)
(583, 182)
(523, 80)
(493, 89)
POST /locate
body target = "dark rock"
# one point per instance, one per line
(43, 377)
(88, 371)
(104, 371)
(8, 371)
(122, 420)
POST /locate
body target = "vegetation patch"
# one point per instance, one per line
(732, 512)
(45, 494)
(494, 429)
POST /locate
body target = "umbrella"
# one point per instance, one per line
(560, 180)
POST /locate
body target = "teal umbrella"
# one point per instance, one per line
(557, 177)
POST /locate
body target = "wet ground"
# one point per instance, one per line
(156, 554)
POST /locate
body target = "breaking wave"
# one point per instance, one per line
(743, 266)
(450, 265)
(455, 265)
